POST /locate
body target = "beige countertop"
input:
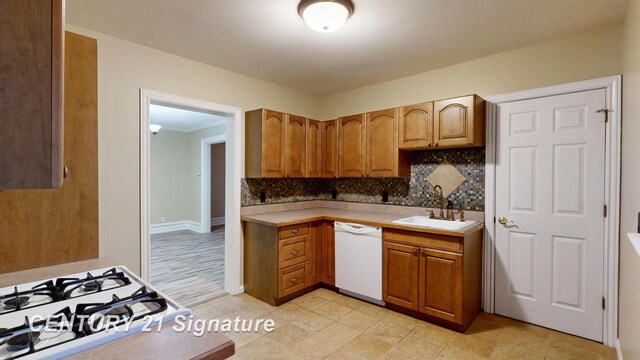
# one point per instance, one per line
(166, 344)
(284, 218)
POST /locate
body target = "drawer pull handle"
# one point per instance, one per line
(294, 280)
(415, 251)
(295, 231)
(294, 252)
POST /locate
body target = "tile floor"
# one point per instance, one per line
(326, 325)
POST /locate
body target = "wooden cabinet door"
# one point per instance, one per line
(330, 149)
(352, 146)
(295, 145)
(273, 144)
(31, 88)
(315, 253)
(400, 274)
(328, 254)
(415, 126)
(441, 285)
(382, 143)
(453, 122)
(313, 161)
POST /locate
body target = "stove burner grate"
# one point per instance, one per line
(93, 285)
(17, 302)
(23, 341)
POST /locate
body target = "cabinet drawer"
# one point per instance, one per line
(290, 231)
(433, 241)
(292, 279)
(293, 251)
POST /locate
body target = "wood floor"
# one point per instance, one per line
(188, 266)
(327, 325)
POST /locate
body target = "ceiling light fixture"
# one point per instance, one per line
(325, 15)
(154, 128)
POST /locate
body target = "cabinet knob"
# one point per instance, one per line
(429, 143)
(415, 251)
(294, 280)
(424, 252)
(295, 231)
(65, 172)
(435, 144)
(294, 252)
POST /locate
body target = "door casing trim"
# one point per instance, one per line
(613, 88)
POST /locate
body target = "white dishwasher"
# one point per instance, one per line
(359, 260)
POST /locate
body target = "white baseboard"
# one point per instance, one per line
(217, 221)
(618, 350)
(174, 226)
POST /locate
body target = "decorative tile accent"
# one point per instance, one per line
(447, 176)
(412, 191)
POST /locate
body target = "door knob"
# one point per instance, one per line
(503, 220)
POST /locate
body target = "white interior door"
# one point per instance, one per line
(550, 170)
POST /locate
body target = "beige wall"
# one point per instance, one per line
(169, 177)
(629, 313)
(217, 179)
(123, 69)
(577, 57)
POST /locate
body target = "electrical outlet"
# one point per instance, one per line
(162, 219)
(334, 194)
(385, 196)
(263, 196)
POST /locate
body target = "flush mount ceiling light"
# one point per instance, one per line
(154, 128)
(325, 15)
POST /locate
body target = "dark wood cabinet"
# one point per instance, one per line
(401, 266)
(382, 154)
(416, 126)
(31, 94)
(313, 162)
(352, 146)
(328, 253)
(265, 133)
(330, 149)
(295, 146)
(459, 122)
(315, 253)
(440, 285)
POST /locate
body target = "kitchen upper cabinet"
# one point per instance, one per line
(382, 154)
(313, 161)
(31, 89)
(416, 126)
(265, 133)
(328, 253)
(401, 266)
(330, 149)
(295, 146)
(352, 146)
(441, 284)
(459, 122)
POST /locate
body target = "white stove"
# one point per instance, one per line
(54, 318)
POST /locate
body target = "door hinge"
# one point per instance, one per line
(604, 303)
(606, 114)
(604, 210)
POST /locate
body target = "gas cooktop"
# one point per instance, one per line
(53, 318)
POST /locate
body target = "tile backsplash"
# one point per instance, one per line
(411, 191)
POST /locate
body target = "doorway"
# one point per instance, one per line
(552, 225)
(197, 227)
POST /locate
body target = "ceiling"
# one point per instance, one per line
(184, 120)
(383, 40)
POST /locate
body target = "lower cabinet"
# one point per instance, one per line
(328, 253)
(435, 277)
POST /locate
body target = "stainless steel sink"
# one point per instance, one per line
(426, 222)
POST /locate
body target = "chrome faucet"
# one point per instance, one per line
(450, 215)
(441, 200)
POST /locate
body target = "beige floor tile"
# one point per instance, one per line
(285, 355)
(364, 347)
(475, 344)
(487, 329)
(206, 311)
(333, 310)
(314, 348)
(506, 352)
(326, 294)
(388, 331)
(310, 301)
(578, 344)
(227, 303)
(289, 311)
(452, 352)
(248, 312)
(311, 321)
(558, 353)
(349, 302)
(402, 320)
(338, 333)
(432, 333)
(288, 335)
(411, 348)
(261, 348)
(358, 320)
(524, 342)
(374, 310)
(248, 299)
